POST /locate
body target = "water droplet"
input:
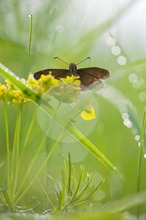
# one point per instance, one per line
(125, 115)
(111, 41)
(6, 70)
(127, 123)
(138, 84)
(23, 80)
(116, 50)
(142, 96)
(137, 137)
(133, 77)
(122, 60)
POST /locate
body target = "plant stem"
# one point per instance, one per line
(140, 154)
(27, 137)
(15, 155)
(7, 144)
(29, 46)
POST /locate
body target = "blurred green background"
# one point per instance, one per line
(113, 34)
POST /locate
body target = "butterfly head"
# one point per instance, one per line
(72, 69)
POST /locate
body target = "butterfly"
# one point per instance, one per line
(88, 76)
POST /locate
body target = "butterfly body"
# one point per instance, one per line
(88, 76)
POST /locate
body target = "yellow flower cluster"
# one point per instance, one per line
(65, 90)
(11, 93)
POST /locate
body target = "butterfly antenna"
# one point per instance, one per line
(29, 45)
(61, 60)
(84, 60)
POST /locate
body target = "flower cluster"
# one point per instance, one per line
(12, 94)
(64, 90)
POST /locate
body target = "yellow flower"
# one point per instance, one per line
(32, 83)
(46, 82)
(88, 113)
(15, 96)
(70, 79)
(3, 91)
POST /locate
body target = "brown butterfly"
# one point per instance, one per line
(88, 76)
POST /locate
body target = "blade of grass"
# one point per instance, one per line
(140, 154)
(69, 175)
(85, 188)
(47, 195)
(91, 193)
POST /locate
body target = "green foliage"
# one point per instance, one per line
(75, 193)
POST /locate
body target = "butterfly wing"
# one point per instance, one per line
(91, 76)
(57, 73)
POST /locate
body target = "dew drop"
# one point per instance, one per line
(133, 78)
(17, 78)
(125, 115)
(137, 137)
(116, 50)
(127, 123)
(122, 60)
(111, 41)
(142, 96)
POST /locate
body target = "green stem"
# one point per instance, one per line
(140, 154)
(29, 46)
(27, 137)
(47, 195)
(15, 155)
(3, 200)
(7, 143)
